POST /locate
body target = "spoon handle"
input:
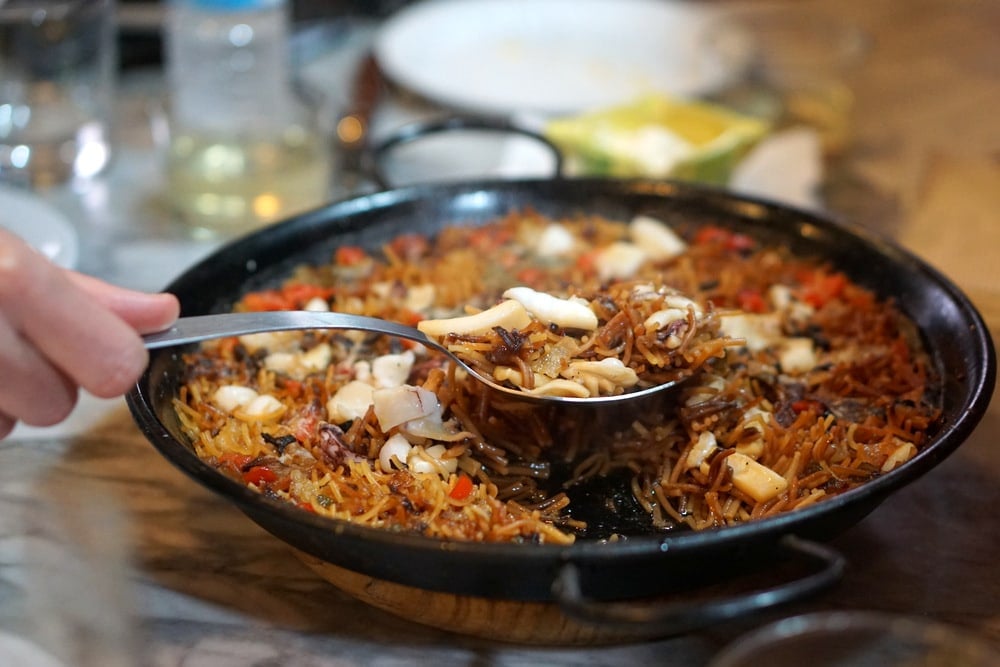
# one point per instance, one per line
(206, 327)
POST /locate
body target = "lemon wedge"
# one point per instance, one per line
(657, 137)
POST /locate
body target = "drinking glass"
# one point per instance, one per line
(57, 78)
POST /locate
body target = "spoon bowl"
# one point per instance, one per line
(206, 327)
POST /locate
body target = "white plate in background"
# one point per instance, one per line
(40, 224)
(547, 56)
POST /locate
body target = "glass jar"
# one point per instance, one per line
(245, 146)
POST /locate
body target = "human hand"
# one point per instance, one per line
(61, 331)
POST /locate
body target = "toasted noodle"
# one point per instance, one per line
(802, 385)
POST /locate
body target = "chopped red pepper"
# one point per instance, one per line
(294, 388)
(290, 297)
(740, 242)
(410, 247)
(709, 234)
(299, 294)
(822, 287)
(731, 240)
(806, 404)
(260, 475)
(349, 255)
(237, 461)
(586, 261)
(463, 487)
(751, 301)
(488, 238)
(265, 300)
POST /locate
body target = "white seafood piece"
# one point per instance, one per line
(560, 387)
(392, 370)
(645, 292)
(229, 397)
(754, 419)
(755, 479)
(610, 369)
(754, 448)
(555, 241)
(797, 355)
(281, 362)
(263, 408)
(395, 447)
(544, 385)
(701, 450)
(509, 314)
(350, 402)
(619, 260)
(317, 305)
(381, 289)
(398, 405)
(903, 453)
(681, 302)
(662, 318)
(572, 313)
(317, 358)
(272, 341)
(507, 374)
(420, 297)
(758, 330)
(780, 296)
(656, 239)
(433, 427)
(431, 459)
(362, 370)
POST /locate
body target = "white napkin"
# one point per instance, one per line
(787, 167)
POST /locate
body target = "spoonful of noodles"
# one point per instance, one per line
(633, 340)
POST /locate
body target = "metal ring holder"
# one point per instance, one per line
(673, 618)
(421, 129)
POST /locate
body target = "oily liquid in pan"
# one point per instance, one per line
(530, 456)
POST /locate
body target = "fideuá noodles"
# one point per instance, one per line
(800, 384)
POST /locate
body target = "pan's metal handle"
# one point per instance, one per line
(685, 616)
(420, 129)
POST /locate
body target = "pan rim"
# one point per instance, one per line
(980, 381)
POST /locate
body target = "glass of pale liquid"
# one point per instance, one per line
(57, 79)
(793, 66)
(246, 145)
(229, 181)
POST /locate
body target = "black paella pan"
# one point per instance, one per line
(583, 578)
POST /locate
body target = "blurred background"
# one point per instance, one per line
(141, 22)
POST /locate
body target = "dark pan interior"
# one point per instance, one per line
(953, 331)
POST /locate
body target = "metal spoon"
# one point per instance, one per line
(206, 327)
